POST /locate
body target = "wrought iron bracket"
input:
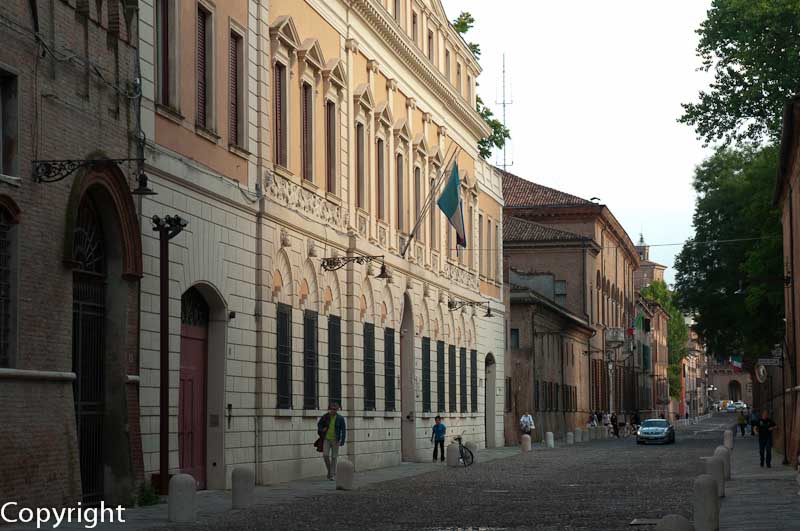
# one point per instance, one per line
(454, 305)
(338, 262)
(51, 171)
(171, 225)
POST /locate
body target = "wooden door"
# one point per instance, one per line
(192, 403)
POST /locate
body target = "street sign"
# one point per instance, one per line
(770, 361)
(761, 373)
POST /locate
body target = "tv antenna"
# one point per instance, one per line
(504, 103)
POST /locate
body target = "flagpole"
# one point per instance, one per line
(428, 202)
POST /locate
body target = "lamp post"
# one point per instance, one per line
(167, 227)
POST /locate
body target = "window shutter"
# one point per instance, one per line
(463, 378)
(233, 88)
(433, 218)
(417, 199)
(381, 189)
(440, 388)
(280, 132)
(335, 359)
(202, 22)
(426, 375)
(360, 156)
(284, 357)
(473, 379)
(163, 7)
(388, 350)
(369, 367)
(400, 205)
(330, 146)
(452, 383)
(307, 132)
(310, 360)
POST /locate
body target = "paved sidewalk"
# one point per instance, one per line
(759, 498)
(213, 503)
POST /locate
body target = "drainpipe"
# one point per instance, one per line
(533, 352)
(563, 409)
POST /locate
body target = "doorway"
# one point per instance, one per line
(408, 429)
(490, 401)
(192, 397)
(735, 390)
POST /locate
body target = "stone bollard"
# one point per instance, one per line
(725, 454)
(578, 435)
(604, 433)
(472, 447)
(452, 455)
(727, 439)
(549, 440)
(243, 484)
(345, 472)
(590, 433)
(715, 467)
(182, 500)
(525, 446)
(673, 522)
(570, 438)
(705, 514)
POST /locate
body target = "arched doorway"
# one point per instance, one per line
(734, 390)
(192, 401)
(490, 401)
(408, 429)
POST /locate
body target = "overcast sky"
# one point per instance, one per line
(597, 88)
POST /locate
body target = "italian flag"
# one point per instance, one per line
(736, 361)
(450, 203)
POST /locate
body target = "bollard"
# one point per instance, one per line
(595, 433)
(549, 440)
(673, 522)
(715, 467)
(706, 504)
(344, 474)
(578, 435)
(570, 438)
(243, 484)
(452, 455)
(525, 446)
(182, 501)
(604, 433)
(725, 454)
(471, 446)
(727, 439)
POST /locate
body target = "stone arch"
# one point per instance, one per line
(473, 338)
(424, 327)
(308, 289)
(282, 281)
(388, 315)
(109, 181)
(367, 302)
(332, 294)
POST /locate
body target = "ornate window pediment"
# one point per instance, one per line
(383, 115)
(421, 147)
(334, 73)
(362, 96)
(284, 31)
(436, 156)
(310, 52)
(401, 131)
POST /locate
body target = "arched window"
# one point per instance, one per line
(8, 302)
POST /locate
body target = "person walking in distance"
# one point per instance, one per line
(764, 429)
(437, 437)
(615, 425)
(526, 424)
(741, 421)
(332, 429)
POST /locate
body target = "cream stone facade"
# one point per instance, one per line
(305, 130)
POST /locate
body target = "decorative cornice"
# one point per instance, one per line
(373, 66)
(351, 45)
(420, 65)
(391, 85)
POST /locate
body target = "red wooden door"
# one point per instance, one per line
(192, 403)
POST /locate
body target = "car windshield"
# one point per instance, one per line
(655, 423)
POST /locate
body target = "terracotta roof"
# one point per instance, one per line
(520, 230)
(518, 192)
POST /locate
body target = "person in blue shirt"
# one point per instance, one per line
(437, 437)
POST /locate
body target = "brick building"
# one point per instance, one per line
(70, 258)
(648, 270)
(591, 261)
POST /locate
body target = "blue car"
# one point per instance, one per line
(655, 431)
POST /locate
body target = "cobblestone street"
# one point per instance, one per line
(597, 485)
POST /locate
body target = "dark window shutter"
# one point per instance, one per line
(163, 8)
(433, 218)
(426, 374)
(388, 382)
(451, 359)
(400, 199)
(284, 355)
(463, 378)
(280, 130)
(381, 183)
(335, 359)
(307, 162)
(202, 70)
(310, 360)
(360, 156)
(440, 388)
(330, 146)
(417, 199)
(369, 367)
(234, 69)
(473, 379)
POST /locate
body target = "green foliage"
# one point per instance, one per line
(734, 288)
(500, 133)
(463, 22)
(752, 47)
(147, 495)
(674, 380)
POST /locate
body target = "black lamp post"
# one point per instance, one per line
(167, 227)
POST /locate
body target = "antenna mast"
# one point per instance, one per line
(504, 103)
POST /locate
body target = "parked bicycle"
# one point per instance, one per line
(465, 456)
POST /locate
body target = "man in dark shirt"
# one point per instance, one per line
(764, 429)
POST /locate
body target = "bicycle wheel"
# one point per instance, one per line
(466, 455)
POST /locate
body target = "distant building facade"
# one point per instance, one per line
(648, 270)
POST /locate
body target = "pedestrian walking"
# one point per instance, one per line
(753, 421)
(526, 424)
(764, 429)
(438, 433)
(614, 425)
(741, 421)
(332, 431)
(637, 421)
(606, 420)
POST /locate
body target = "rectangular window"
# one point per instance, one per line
(164, 57)
(480, 245)
(330, 146)
(536, 402)
(335, 359)
(310, 361)
(473, 379)
(468, 225)
(380, 152)
(440, 388)
(469, 89)
(414, 29)
(433, 216)
(463, 378)
(560, 292)
(204, 81)
(418, 201)
(9, 125)
(400, 178)
(451, 360)
(515, 339)
(397, 11)
(236, 84)
(388, 366)
(426, 375)
(369, 367)
(284, 357)
(307, 131)
(449, 250)
(8, 251)
(280, 114)
(508, 404)
(430, 45)
(556, 395)
(458, 78)
(447, 65)
(488, 251)
(360, 167)
(497, 254)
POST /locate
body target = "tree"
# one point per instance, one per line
(729, 276)
(753, 47)
(677, 331)
(500, 133)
